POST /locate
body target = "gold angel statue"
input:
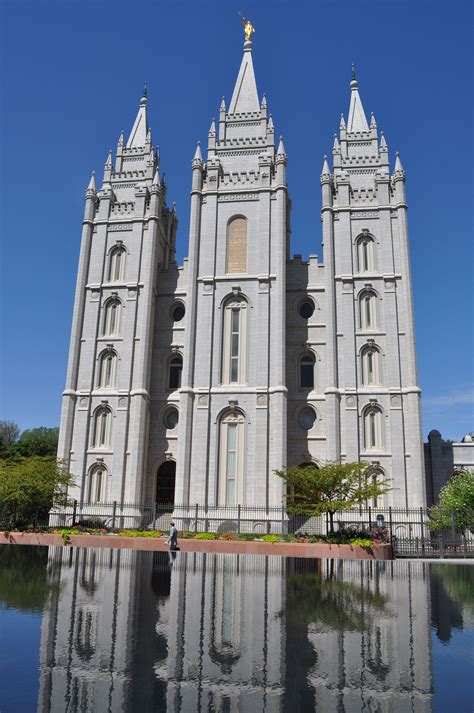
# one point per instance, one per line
(249, 29)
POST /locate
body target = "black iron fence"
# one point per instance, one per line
(407, 528)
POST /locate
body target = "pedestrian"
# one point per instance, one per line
(172, 540)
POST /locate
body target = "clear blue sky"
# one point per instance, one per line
(71, 77)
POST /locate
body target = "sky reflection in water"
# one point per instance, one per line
(89, 631)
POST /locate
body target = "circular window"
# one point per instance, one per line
(171, 418)
(307, 418)
(178, 312)
(306, 309)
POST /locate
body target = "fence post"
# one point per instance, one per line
(74, 512)
(114, 512)
(282, 519)
(390, 522)
(196, 515)
(154, 515)
(422, 531)
(238, 518)
(370, 517)
(453, 527)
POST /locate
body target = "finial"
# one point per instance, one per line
(353, 72)
(249, 29)
(145, 90)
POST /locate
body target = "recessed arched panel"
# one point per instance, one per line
(237, 245)
(165, 483)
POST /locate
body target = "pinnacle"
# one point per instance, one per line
(156, 178)
(212, 128)
(398, 163)
(281, 148)
(270, 122)
(108, 162)
(325, 169)
(91, 186)
(373, 123)
(198, 154)
(336, 142)
(383, 143)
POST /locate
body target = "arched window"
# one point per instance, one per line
(117, 265)
(368, 311)
(234, 348)
(102, 426)
(373, 429)
(107, 370)
(237, 245)
(175, 370)
(231, 458)
(370, 367)
(111, 326)
(307, 371)
(97, 484)
(365, 254)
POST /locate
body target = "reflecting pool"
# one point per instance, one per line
(93, 631)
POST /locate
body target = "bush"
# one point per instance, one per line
(91, 524)
(227, 536)
(206, 536)
(362, 542)
(271, 538)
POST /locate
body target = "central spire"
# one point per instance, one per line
(357, 120)
(245, 96)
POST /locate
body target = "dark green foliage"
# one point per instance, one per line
(38, 442)
(456, 504)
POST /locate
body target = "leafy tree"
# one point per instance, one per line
(40, 441)
(31, 486)
(456, 500)
(9, 433)
(331, 488)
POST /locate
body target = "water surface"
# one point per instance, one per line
(93, 631)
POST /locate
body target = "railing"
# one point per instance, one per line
(407, 528)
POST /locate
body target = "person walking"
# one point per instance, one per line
(172, 540)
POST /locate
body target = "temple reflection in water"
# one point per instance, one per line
(125, 631)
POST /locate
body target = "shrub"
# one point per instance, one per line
(206, 536)
(271, 538)
(227, 536)
(91, 524)
(362, 541)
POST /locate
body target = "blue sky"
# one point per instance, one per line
(71, 77)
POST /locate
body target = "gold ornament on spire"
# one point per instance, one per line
(249, 29)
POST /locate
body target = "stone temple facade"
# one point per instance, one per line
(193, 383)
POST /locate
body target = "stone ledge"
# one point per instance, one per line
(282, 549)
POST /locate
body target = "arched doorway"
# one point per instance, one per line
(165, 482)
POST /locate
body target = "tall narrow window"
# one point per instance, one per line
(102, 423)
(97, 485)
(111, 318)
(107, 370)
(175, 371)
(373, 429)
(237, 245)
(307, 371)
(117, 265)
(370, 367)
(234, 346)
(231, 459)
(368, 311)
(365, 254)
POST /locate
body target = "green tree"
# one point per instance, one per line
(456, 503)
(9, 433)
(331, 488)
(31, 486)
(40, 441)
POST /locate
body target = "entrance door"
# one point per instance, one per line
(166, 479)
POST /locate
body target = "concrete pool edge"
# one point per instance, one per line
(284, 549)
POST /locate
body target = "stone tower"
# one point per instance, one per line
(232, 430)
(128, 235)
(372, 396)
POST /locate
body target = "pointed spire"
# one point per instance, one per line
(198, 154)
(222, 107)
(281, 148)
(336, 143)
(108, 162)
(139, 133)
(383, 143)
(156, 178)
(151, 157)
(270, 123)
(398, 163)
(325, 169)
(342, 123)
(121, 139)
(356, 120)
(263, 105)
(91, 186)
(212, 128)
(373, 123)
(245, 96)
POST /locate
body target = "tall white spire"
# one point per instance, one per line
(139, 132)
(356, 120)
(245, 96)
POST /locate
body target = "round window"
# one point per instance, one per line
(178, 312)
(171, 418)
(306, 309)
(307, 418)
